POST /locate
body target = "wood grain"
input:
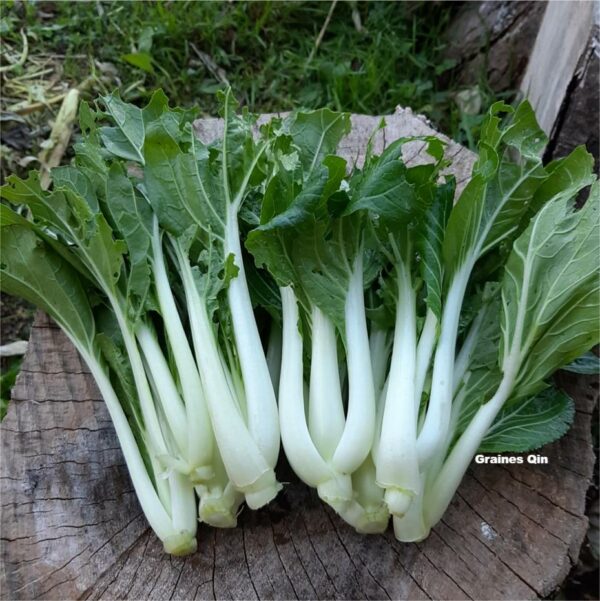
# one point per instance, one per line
(493, 38)
(72, 527)
(560, 43)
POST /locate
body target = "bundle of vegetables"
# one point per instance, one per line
(402, 332)
(136, 254)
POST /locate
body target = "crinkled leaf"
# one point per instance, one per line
(492, 204)
(133, 220)
(68, 215)
(530, 424)
(199, 189)
(383, 189)
(272, 242)
(430, 241)
(317, 134)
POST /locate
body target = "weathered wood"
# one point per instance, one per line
(560, 43)
(543, 49)
(72, 527)
(494, 39)
(578, 118)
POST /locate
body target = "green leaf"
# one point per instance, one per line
(69, 217)
(141, 60)
(132, 125)
(551, 292)
(241, 158)
(524, 133)
(127, 138)
(324, 254)
(383, 189)
(588, 364)
(197, 190)
(50, 208)
(183, 188)
(566, 178)
(286, 208)
(133, 220)
(483, 374)
(317, 134)
(10, 217)
(530, 424)
(430, 241)
(87, 121)
(77, 181)
(30, 269)
(492, 204)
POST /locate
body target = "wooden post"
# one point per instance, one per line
(560, 43)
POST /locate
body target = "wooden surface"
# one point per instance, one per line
(560, 43)
(493, 39)
(72, 528)
(578, 118)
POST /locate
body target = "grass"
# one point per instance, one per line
(372, 56)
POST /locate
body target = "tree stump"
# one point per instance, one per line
(72, 527)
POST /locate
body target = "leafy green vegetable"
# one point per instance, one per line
(403, 333)
(531, 424)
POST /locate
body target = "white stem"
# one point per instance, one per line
(424, 352)
(411, 527)
(167, 393)
(379, 349)
(374, 516)
(219, 501)
(325, 406)
(152, 506)
(463, 359)
(380, 410)
(160, 483)
(245, 465)
(200, 436)
(299, 448)
(183, 503)
(397, 461)
(357, 439)
(437, 419)
(151, 421)
(455, 466)
(260, 397)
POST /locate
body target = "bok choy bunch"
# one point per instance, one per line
(403, 329)
(417, 331)
(135, 253)
(317, 257)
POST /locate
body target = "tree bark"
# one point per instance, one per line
(493, 40)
